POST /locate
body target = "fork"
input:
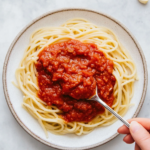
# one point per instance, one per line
(96, 98)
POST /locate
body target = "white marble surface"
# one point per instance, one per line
(15, 14)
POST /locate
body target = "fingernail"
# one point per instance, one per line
(134, 126)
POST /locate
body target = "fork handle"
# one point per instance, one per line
(112, 111)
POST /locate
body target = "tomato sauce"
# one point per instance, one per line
(67, 75)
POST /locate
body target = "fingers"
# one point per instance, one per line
(123, 130)
(140, 135)
(143, 121)
(139, 138)
(128, 139)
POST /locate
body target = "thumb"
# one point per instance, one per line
(140, 135)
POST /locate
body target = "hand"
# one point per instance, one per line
(138, 133)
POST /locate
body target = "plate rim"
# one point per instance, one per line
(7, 60)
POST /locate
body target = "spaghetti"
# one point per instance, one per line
(50, 115)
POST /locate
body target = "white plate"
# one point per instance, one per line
(14, 96)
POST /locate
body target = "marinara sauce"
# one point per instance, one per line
(67, 74)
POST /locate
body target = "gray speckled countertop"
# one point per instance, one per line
(15, 14)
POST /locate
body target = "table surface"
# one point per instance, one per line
(15, 14)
